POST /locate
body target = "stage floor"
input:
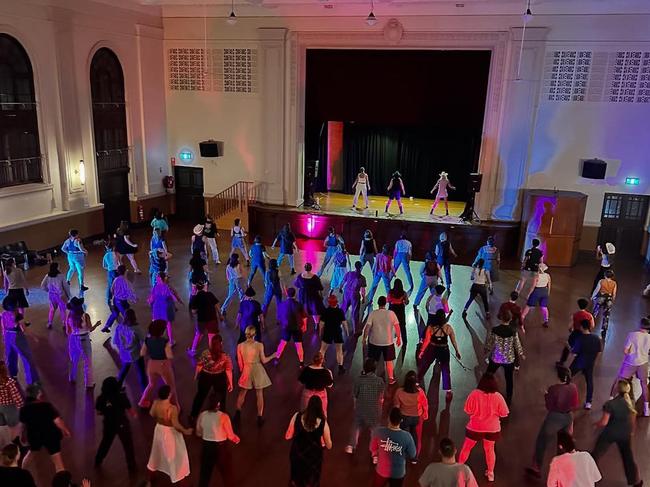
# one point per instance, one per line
(416, 209)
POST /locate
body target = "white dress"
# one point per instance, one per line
(168, 452)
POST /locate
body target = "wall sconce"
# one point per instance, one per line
(82, 172)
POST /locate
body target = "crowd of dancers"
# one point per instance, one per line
(342, 314)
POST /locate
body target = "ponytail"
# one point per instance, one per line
(624, 390)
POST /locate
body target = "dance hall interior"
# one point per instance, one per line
(324, 243)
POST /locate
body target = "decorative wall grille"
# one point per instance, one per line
(613, 77)
(232, 70)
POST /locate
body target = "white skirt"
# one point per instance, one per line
(169, 453)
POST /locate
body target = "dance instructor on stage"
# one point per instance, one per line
(361, 186)
(442, 185)
(395, 192)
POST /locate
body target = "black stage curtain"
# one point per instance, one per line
(420, 153)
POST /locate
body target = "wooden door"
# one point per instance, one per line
(190, 204)
(622, 223)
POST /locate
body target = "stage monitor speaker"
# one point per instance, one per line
(594, 169)
(474, 182)
(311, 172)
(211, 148)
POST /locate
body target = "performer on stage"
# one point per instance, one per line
(395, 191)
(442, 185)
(361, 186)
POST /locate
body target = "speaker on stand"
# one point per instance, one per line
(311, 171)
(469, 215)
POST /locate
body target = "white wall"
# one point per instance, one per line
(60, 38)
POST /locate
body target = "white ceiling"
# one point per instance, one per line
(429, 7)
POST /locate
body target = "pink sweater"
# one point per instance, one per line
(485, 411)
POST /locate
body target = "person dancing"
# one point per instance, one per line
(395, 191)
(361, 186)
(441, 185)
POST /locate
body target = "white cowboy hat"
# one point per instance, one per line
(610, 247)
(443, 174)
(543, 267)
(198, 230)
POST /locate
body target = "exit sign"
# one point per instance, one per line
(632, 181)
(186, 156)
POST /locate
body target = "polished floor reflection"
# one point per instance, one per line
(262, 458)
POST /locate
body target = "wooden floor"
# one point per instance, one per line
(262, 458)
(415, 209)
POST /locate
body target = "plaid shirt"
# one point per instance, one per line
(369, 395)
(10, 395)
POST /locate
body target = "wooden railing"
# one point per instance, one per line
(234, 198)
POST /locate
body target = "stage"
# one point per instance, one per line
(422, 229)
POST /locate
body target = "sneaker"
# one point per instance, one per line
(349, 449)
(545, 324)
(414, 461)
(106, 330)
(49, 326)
(464, 313)
(587, 405)
(190, 352)
(392, 381)
(489, 476)
(83, 288)
(260, 421)
(449, 395)
(293, 271)
(646, 409)
(374, 460)
(341, 370)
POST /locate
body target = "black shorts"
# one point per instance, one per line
(52, 445)
(375, 352)
(330, 337)
(287, 335)
(478, 436)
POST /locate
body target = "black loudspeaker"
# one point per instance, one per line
(474, 182)
(311, 172)
(211, 148)
(594, 169)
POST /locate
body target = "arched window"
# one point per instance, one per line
(111, 143)
(20, 155)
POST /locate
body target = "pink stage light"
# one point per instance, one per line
(311, 223)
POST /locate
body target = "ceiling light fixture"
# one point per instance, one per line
(232, 18)
(371, 19)
(528, 16)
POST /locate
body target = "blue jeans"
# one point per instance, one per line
(76, 263)
(255, 266)
(427, 282)
(329, 255)
(289, 256)
(119, 308)
(234, 287)
(15, 345)
(353, 301)
(446, 266)
(269, 293)
(369, 258)
(410, 424)
(80, 350)
(110, 277)
(402, 258)
(379, 276)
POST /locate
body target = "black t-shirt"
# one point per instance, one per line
(16, 477)
(250, 311)
(533, 258)
(586, 347)
(315, 379)
(204, 303)
(332, 318)
(286, 242)
(197, 263)
(209, 230)
(38, 418)
(113, 409)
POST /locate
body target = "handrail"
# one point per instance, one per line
(234, 198)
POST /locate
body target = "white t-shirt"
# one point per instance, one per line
(639, 344)
(381, 327)
(577, 469)
(216, 426)
(444, 475)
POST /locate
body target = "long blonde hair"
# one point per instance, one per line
(624, 389)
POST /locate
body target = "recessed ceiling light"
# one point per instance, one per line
(460, 5)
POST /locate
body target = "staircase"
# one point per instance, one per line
(231, 203)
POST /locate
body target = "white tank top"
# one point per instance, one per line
(362, 178)
(542, 280)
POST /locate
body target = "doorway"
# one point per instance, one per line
(622, 222)
(111, 144)
(190, 204)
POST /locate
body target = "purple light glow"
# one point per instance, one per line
(541, 221)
